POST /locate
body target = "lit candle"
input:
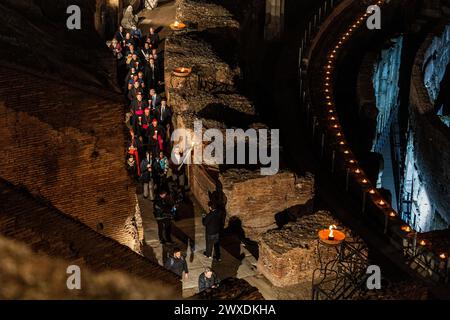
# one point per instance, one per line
(331, 234)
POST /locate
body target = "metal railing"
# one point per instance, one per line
(341, 163)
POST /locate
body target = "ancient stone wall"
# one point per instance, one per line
(65, 146)
(256, 199)
(431, 147)
(211, 93)
(49, 276)
(288, 257)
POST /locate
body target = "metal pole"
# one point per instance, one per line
(415, 243)
(386, 223)
(333, 157)
(323, 145)
(364, 202)
(347, 179)
(314, 127)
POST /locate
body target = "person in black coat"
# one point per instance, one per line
(164, 213)
(208, 280)
(120, 36)
(152, 74)
(213, 225)
(177, 264)
(147, 165)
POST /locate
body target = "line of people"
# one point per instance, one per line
(150, 159)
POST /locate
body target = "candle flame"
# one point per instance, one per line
(331, 234)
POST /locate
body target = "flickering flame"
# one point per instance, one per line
(406, 228)
(381, 203)
(357, 171)
(372, 191)
(176, 24)
(442, 256)
(331, 234)
(423, 243)
(392, 214)
(364, 181)
(183, 69)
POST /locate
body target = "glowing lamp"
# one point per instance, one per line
(443, 256)
(372, 191)
(406, 229)
(423, 243)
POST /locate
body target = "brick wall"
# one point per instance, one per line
(66, 146)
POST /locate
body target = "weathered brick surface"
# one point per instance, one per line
(289, 256)
(47, 280)
(256, 199)
(66, 146)
(46, 230)
(211, 94)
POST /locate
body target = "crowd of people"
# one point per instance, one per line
(150, 159)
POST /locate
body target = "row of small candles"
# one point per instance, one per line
(335, 126)
(180, 71)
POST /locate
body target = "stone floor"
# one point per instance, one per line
(188, 234)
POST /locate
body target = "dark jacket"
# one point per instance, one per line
(163, 208)
(146, 175)
(165, 117)
(213, 222)
(176, 265)
(205, 283)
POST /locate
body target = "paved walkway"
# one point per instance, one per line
(188, 231)
(188, 234)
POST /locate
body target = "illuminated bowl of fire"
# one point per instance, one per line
(331, 236)
(182, 72)
(177, 26)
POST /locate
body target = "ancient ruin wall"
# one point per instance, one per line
(60, 159)
(431, 145)
(256, 199)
